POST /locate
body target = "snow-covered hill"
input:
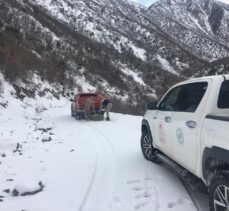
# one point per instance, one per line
(119, 47)
(200, 25)
(51, 162)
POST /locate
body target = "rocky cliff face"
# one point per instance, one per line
(118, 47)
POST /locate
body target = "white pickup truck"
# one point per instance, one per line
(189, 129)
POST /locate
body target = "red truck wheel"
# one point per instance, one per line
(78, 116)
(72, 113)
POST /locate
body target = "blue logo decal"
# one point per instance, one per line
(180, 136)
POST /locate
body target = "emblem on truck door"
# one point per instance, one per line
(180, 136)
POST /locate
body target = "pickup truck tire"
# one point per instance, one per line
(147, 147)
(78, 116)
(219, 192)
(72, 113)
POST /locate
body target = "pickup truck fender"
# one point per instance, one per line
(220, 157)
(145, 125)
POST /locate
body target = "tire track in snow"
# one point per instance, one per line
(92, 177)
(92, 181)
(99, 167)
(105, 138)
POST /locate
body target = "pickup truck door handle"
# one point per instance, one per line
(191, 124)
(168, 119)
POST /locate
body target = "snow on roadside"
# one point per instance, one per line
(138, 52)
(81, 165)
(133, 74)
(165, 64)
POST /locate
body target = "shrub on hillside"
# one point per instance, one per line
(1, 88)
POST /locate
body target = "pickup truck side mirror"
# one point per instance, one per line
(151, 105)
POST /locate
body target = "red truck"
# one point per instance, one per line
(77, 106)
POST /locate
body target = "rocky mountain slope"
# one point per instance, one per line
(200, 25)
(118, 47)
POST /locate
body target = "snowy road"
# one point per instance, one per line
(85, 166)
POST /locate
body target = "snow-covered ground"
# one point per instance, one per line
(51, 162)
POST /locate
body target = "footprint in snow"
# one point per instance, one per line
(2, 198)
(146, 194)
(151, 179)
(6, 191)
(177, 203)
(137, 188)
(148, 178)
(118, 201)
(46, 140)
(133, 181)
(140, 205)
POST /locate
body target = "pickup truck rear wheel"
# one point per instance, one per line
(78, 116)
(148, 150)
(72, 113)
(219, 192)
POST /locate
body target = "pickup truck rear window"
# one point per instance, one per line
(223, 101)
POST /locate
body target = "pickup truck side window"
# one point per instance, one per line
(184, 98)
(223, 101)
(169, 102)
